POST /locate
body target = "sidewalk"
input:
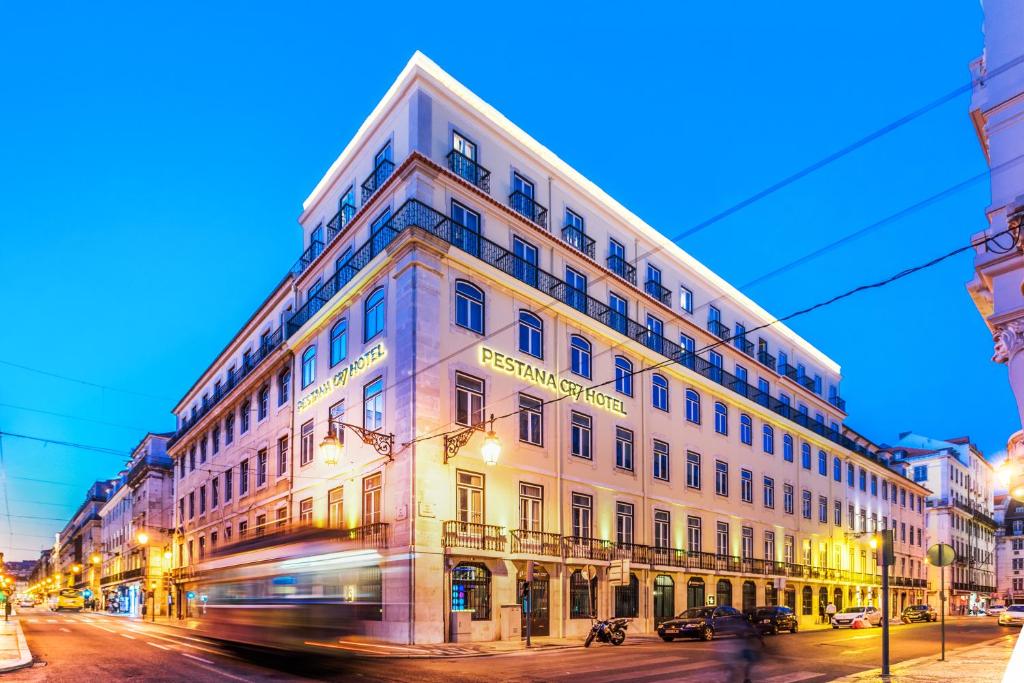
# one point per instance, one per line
(1000, 660)
(14, 652)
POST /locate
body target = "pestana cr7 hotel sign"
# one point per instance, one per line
(561, 386)
(342, 377)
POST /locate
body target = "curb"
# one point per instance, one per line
(26, 654)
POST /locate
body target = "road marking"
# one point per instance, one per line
(33, 621)
(793, 677)
(222, 673)
(108, 630)
(382, 647)
(204, 649)
(51, 621)
(647, 670)
(199, 659)
(162, 647)
(65, 630)
(125, 635)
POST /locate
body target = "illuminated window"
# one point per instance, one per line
(308, 366)
(372, 499)
(768, 439)
(469, 306)
(531, 334)
(373, 314)
(721, 418)
(335, 508)
(531, 420)
(579, 356)
(373, 405)
(746, 430)
(339, 341)
(306, 511)
(623, 376)
(692, 406)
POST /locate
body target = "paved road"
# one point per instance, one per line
(101, 648)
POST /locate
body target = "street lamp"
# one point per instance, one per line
(333, 445)
(142, 538)
(490, 451)
(95, 559)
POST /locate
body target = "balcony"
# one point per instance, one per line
(339, 221)
(470, 171)
(381, 172)
(766, 359)
(719, 329)
(807, 383)
(838, 402)
(526, 206)
(658, 292)
(622, 268)
(526, 542)
(581, 548)
(787, 370)
(578, 240)
(744, 345)
(315, 248)
(474, 536)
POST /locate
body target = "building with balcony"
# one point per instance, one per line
(642, 429)
(959, 513)
(79, 545)
(137, 531)
(1009, 516)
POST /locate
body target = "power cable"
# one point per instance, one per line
(73, 417)
(82, 381)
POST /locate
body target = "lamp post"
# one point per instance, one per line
(490, 451)
(333, 445)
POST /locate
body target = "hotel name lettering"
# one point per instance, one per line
(342, 377)
(543, 378)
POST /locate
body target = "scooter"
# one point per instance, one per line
(608, 631)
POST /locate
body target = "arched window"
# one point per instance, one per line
(373, 314)
(469, 306)
(263, 402)
(692, 406)
(768, 439)
(822, 464)
(284, 386)
(623, 376)
(339, 341)
(308, 366)
(531, 334)
(724, 592)
(805, 455)
(579, 353)
(749, 596)
(787, 448)
(659, 392)
(721, 418)
(807, 601)
(746, 429)
(837, 469)
(471, 590)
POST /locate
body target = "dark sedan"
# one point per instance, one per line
(919, 613)
(703, 622)
(774, 618)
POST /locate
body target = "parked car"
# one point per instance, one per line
(871, 615)
(703, 622)
(774, 618)
(1012, 616)
(919, 613)
(26, 602)
(995, 610)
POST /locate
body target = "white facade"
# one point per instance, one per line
(1009, 516)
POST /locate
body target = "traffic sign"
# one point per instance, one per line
(941, 555)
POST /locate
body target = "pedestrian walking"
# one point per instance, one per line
(821, 612)
(830, 611)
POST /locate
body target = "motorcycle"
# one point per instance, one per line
(608, 631)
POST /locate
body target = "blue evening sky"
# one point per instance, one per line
(153, 160)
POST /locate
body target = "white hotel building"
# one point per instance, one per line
(455, 268)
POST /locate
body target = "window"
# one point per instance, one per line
(721, 418)
(282, 456)
(806, 504)
(281, 517)
(693, 470)
(308, 366)
(372, 485)
(747, 543)
(469, 306)
(373, 405)
(823, 509)
(263, 402)
(580, 355)
(228, 485)
(243, 477)
(693, 534)
(575, 289)
(202, 448)
(769, 546)
(661, 462)
(837, 514)
(687, 343)
(581, 435)
(306, 512)
(721, 478)
(623, 376)
(243, 416)
(746, 429)
(849, 474)
(822, 463)
(243, 528)
(722, 538)
(874, 485)
(624, 522)
(662, 526)
(261, 467)
(215, 439)
(191, 504)
(229, 429)
(471, 590)
(787, 448)
(805, 456)
(469, 400)
(623, 448)
(339, 341)
(582, 596)
(202, 500)
(787, 498)
(837, 469)
(768, 438)
(469, 496)
(531, 507)
(685, 299)
(284, 386)
(746, 486)
(582, 515)
(769, 494)
(659, 392)
(306, 443)
(692, 406)
(373, 314)
(863, 479)
(531, 420)
(531, 334)
(335, 508)
(619, 313)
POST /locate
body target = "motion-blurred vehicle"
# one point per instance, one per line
(608, 631)
(703, 622)
(70, 599)
(1012, 616)
(26, 602)
(919, 613)
(773, 619)
(995, 610)
(872, 616)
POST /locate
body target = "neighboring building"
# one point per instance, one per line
(79, 546)
(137, 531)
(997, 111)
(1010, 548)
(438, 286)
(42, 572)
(960, 513)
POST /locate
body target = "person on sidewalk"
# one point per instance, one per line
(830, 611)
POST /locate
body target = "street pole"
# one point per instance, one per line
(886, 546)
(529, 613)
(942, 608)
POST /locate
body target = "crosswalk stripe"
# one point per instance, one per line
(51, 621)
(162, 647)
(645, 669)
(65, 629)
(125, 635)
(793, 677)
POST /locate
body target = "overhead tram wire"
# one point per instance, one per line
(69, 444)
(73, 417)
(1014, 232)
(75, 380)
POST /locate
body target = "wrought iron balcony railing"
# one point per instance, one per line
(789, 371)
(339, 221)
(658, 292)
(579, 240)
(719, 329)
(766, 359)
(838, 402)
(475, 536)
(622, 268)
(469, 170)
(526, 206)
(526, 542)
(315, 248)
(380, 173)
(744, 345)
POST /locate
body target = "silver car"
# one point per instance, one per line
(1013, 616)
